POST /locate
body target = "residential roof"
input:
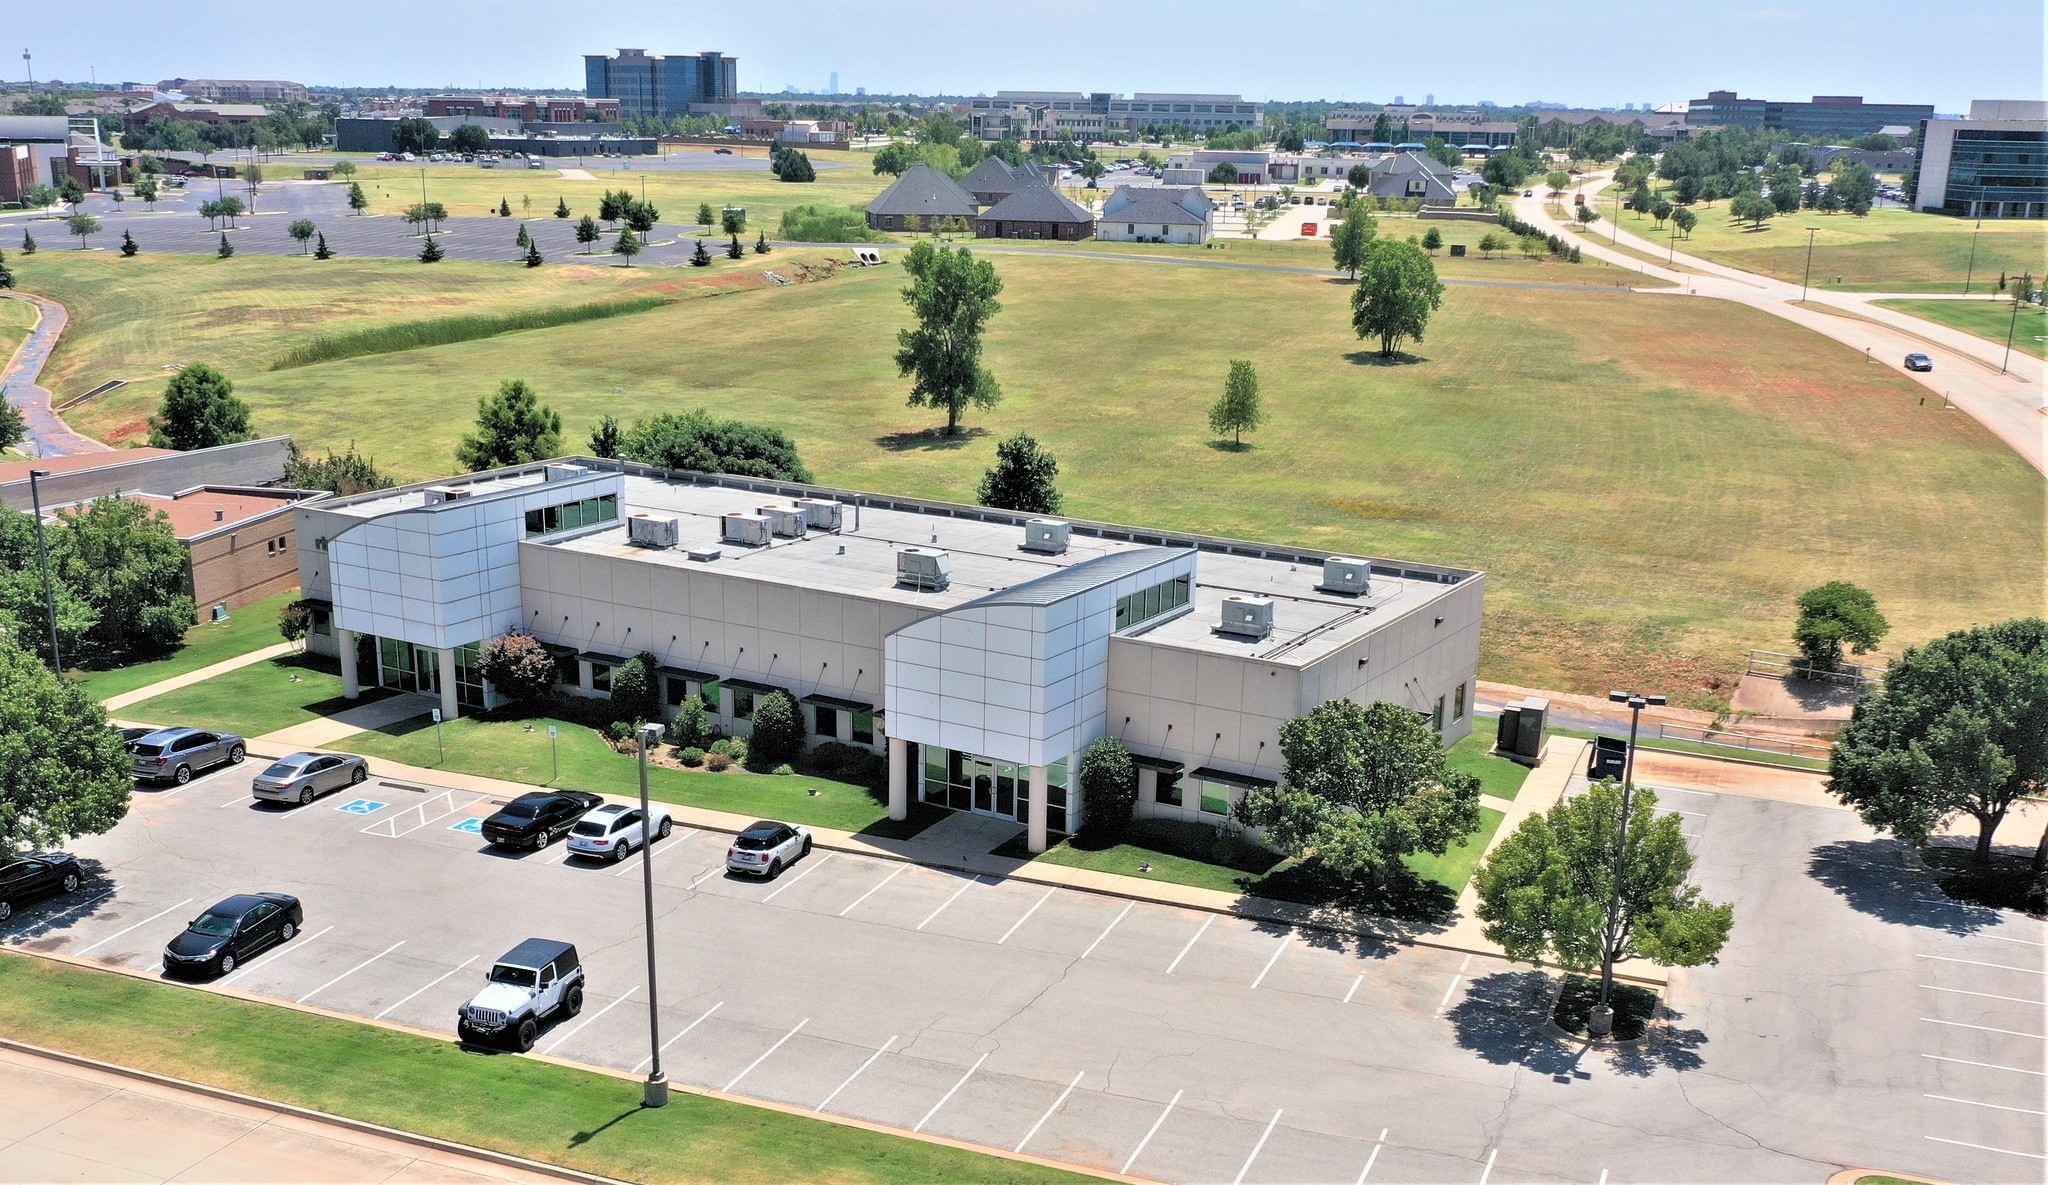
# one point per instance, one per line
(18, 470)
(1037, 203)
(1166, 205)
(996, 175)
(924, 191)
(253, 110)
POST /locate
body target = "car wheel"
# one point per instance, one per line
(541, 841)
(235, 755)
(356, 776)
(71, 882)
(572, 1001)
(182, 775)
(6, 910)
(619, 852)
(306, 796)
(528, 1033)
(807, 845)
(774, 869)
(227, 965)
(285, 935)
(667, 825)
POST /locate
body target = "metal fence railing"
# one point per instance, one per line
(1779, 665)
(1753, 742)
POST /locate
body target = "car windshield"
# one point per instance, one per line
(141, 750)
(590, 827)
(215, 925)
(757, 841)
(516, 976)
(285, 769)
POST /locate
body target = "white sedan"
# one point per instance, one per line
(612, 830)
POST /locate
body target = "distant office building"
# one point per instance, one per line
(1824, 115)
(1101, 115)
(648, 84)
(1400, 101)
(236, 90)
(1992, 165)
(1429, 100)
(835, 82)
(526, 108)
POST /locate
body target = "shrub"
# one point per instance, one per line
(722, 746)
(634, 693)
(518, 666)
(295, 619)
(690, 727)
(717, 762)
(784, 769)
(778, 729)
(828, 757)
(1109, 787)
(692, 757)
(621, 731)
(739, 750)
(826, 224)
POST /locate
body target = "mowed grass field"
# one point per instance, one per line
(2026, 326)
(1648, 483)
(17, 317)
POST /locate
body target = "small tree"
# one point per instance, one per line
(1023, 478)
(129, 247)
(431, 252)
(226, 250)
(1432, 241)
(1396, 293)
(1109, 787)
(627, 246)
(690, 728)
(344, 169)
(1352, 236)
(521, 239)
(1556, 180)
(504, 208)
(321, 250)
(1238, 410)
(635, 694)
(253, 174)
(517, 666)
(303, 230)
(146, 189)
(1488, 244)
(640, 217)
(71, 192)
(513, 428)
(1753, 208)
(28, 243)
(295, 621)
(199, 410)
(561, 207)
(82, 225)
(533, 256)
(229, 207)
(587, 231)
(1661, 212)
(700, 257)
(13, 428)
(732, 220)
(733, 250)
(356, 200)
(1684, 220)
(63, 772)
(778, 730)
(1833, 615)
(761, 244)
(604, 439)
(704, 215)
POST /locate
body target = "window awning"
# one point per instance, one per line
(558, 650)
(833, 701)
(687, 674)
(318, 605)
(750, 685)
(607, 660)
(1242, 781)
(1159, 763)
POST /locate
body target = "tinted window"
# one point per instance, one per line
(284, 769)
(146, 750)
(757, 841)
(215, 925)
(519, 810)
(593, 827)
(517, 976)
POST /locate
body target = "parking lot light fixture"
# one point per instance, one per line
(2011, 327)
(654, 1092)
(35, 498)
(1804, 279)
(1601, 1021)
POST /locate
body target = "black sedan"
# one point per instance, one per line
(25, 878)
(222, 938)
(535, 820)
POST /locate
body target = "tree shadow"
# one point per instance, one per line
(1504, 1019)
(1231, 446)
(1403, 897)
(38, 924)
(1375, 358)
(929, 439)
(1873, 877)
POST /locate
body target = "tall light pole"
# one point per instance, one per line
(1971, 270)
(654, 1092)
(1601, 1021)
(1805, 279)
(35, 498)
(2010, 327)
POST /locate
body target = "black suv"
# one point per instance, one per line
(534, 820)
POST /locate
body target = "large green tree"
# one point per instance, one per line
(1833, 615)
(1961, 727)
(513, 427)
(1024, 478)
(1352, 236)
(470, 137)
(123, 559)
(700, 441)
(1548, 889)
(953, 296)
(199, 410)
(415, 134)
(1363, 787)
(63, 772)
(1237, 411)
(24, 614)
(1397, 291)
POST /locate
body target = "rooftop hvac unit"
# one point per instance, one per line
(1048, 535)
(786, 521)
(924, 568)
(1350, 577)
(822, 513)
(648, 531)
(750, 529)
(565, 472)
(1246, 617)
(704, 555)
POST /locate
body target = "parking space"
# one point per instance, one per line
(1983, 1000)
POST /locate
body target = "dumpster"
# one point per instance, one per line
(1609, 759)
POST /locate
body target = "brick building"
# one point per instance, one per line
(214, 113)
(525, 108)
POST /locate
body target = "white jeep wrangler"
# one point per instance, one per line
(537, 979)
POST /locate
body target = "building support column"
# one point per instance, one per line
(351, 680)
(899, 779)
(451, 705)
(1034, 837)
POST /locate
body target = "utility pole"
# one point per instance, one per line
(1803, 280)
(1601, 1021)
(35, 498)
(654, 1092)
(1970, 271)
(2010, 327)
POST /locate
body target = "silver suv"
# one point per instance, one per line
(537, 979)
(175, 754)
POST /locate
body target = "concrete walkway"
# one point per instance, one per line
(317, 734)
(67, 1121)
(115, 703)
(47, 431)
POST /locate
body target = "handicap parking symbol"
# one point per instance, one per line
(472, 826)
(362, 806)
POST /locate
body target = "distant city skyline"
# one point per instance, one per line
(1885, 50)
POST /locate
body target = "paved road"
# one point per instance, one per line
(2013, 406)
(47, 431)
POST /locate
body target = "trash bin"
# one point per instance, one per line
(1609, 759)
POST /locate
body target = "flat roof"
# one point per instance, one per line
(988, 557)
(14, 471)
(413, 497)
(203, 511)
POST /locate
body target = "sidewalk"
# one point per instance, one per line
(114, 703)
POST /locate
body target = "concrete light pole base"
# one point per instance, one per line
(654, 1092)
(1600, 1021)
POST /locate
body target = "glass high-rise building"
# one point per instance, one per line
(665, 86)
(1992, 165)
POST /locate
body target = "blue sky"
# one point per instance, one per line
(1581, 53)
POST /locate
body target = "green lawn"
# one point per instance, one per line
(505, 749)
(17, 317)
(1989, 319)
(247, 629)
(574, 1118)
(1456, 865)
(252, 700)
(1474, 755)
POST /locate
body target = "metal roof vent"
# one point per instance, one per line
(1246, 617)
(1346, 576)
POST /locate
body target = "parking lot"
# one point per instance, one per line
(1122, 1035)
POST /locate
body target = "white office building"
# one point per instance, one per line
(982, 650)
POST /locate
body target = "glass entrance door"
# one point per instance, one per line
(426, 665)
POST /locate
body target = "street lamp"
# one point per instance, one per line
(1971, 270)
(43, 554)
(1805, 279)
(2010, 327)
(1601, 1021)
(654, 1092)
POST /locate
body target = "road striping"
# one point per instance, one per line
(1025, 918)
(1049, 1112)
(764, 1057)
(137, 926)
(871, 892)
(196, 780)
(1354, 987)
(1256, 1148)
(656, 852)
(1446, 1001)
(679, 1036)
(593, 1016)
(857, 1072)
(1374, 1158)
(1986, 1065)
(351, 971)
(72, 908)
(1128, 906)
(1986, 995)
(1488, 1170)
(1603, 1177)
(1976, 963)
(827, 859)
(2005, 938)
(1191, 944)
(971, 882)
(1974, 1103)
(1984, 1028)
(395, 1007)
(1284, 940)
(562, 857)
(949, 1094)
(707, 876)
(1171, 1103)
(247, 967)
(1986, 1148)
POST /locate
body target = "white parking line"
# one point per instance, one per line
(799, 876)
(1974, 1103)
(593, 1016)
(1986, 995)
(1488, 1171)
(301, 944)
(949, 1094)
(1239, 1179)
(850, 1077)
(871, 892)
(1106, 929)
(1983, 1028)
(707, 876)
(764, 1057)
(1603, 1177)
(1284, 940)
(564, 854)
(1975, 963)
(655, 853)
(1370, 1160)
(137, 926)
(1025, 918)
(679, 1036)
(1171, 1103)
(1190, 946)
(395, 1007)
(1986, 1065)
(972, 881)
(1987, 1148)
(2004, 938)
(1446, 1001)
(351, 971)
(75, 907)
(1354, 987)
(1049, 1111)
(196, 780)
